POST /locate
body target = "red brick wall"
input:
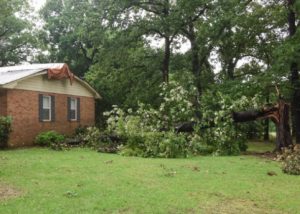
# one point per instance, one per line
(3, 102)
(23, 106)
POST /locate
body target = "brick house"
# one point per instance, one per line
(42, 97)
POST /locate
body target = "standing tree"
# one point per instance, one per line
(74, 31)
(15, 32)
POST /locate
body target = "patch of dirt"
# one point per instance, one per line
(8, 192)
(237, 206)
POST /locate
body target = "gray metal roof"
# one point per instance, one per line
(13, 73)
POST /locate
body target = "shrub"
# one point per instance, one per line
(290, 158)
(5, 129)
(50, 138)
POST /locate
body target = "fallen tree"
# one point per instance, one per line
(279, 114)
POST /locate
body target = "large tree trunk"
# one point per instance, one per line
(196, 67)
(279, 114)
(283, 135)
(166, 61)
(295, 104)
(195, 56)
(230, 69)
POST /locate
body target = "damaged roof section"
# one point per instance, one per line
(11, 74)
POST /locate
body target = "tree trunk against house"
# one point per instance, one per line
(295, 104)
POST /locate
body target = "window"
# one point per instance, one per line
(46, 108)
(73, 109)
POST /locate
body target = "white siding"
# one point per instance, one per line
(41, 83)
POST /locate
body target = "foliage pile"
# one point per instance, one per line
(89, 136)
(93, 138)
(148, 132)
(51, 139)
(290, 158)
(5, 129)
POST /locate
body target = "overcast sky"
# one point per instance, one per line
(37, 4)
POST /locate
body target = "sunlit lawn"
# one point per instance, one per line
(84, 181)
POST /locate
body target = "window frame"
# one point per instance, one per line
(76, 109)
(50, 108)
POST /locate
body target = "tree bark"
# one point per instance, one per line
(166, 61)
(295, 104)
(230, 69)
(196, 65)
(195, 56)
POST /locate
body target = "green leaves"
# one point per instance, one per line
(16, 36)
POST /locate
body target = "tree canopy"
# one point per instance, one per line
(127, 49)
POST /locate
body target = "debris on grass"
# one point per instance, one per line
(196, 168)
(71, 194)
(169, 172)
(8, 192)
(272, 173)
(108, 162)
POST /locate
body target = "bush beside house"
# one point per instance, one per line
(5, 129)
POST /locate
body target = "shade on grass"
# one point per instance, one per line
(84, 181)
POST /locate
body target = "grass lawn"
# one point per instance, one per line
(261, 147)
(84, 181)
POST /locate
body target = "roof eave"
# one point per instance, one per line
(96, 94)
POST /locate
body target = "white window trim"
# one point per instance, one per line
(50, 110)
(73, 98)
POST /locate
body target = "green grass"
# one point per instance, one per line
(261, 147)
(84, 181)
